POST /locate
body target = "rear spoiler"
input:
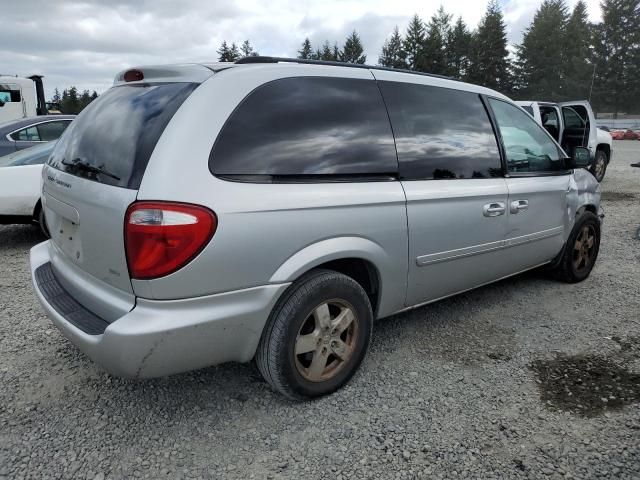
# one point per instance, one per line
(191, 73)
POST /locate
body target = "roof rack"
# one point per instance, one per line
(261, 59)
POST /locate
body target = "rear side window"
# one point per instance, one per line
(118, 131)
(441, 133)
(52, 130)
(315, 128)
(29, 134)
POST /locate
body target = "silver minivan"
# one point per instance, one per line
(271, 209)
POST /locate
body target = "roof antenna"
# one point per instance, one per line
(593, 78)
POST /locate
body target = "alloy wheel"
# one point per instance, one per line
(584, 248)
(326, 340)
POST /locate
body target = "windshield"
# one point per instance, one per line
(117, 133)
(29, 156)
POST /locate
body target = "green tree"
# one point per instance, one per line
(224, 53)
(489, 64)
(541, 57)
(433, 57)
(94, 95)
(306, 52)
(352, 52)
(577, 68)
(246, 50)
(458, 47)
(616, 53)
(234, 53)
(336, 54)
(56, 96)
(414, 42)
(393, 54)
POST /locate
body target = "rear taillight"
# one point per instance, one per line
(162, 237)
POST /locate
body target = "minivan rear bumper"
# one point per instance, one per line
(162, 337)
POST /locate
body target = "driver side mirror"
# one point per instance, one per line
(581, 158)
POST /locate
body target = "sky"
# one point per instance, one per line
(86, 42)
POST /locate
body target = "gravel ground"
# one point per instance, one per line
(525, 378)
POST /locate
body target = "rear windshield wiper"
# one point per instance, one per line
(87, 167)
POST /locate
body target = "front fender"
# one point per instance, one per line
(392, 271)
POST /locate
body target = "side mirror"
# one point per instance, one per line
(581, 157)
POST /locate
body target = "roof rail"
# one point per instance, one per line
(261, 59)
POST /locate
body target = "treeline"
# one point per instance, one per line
(562, 56)
(72, 102)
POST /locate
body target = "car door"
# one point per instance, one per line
(538, 182)
(579, 125)
(450, 169)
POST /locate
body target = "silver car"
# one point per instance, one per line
(271, 209)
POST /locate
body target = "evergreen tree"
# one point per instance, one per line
(234, 53)
(458, 46)
(433, 55)
(577, 69)
(224, 53)
(306, 52)
(616, 53)
(489, 56)
(352, 52)
(56, 96)
(413, 43)
(247, 50)
(326, 53)
(393, 54)
(336, 54)
(317, 55)
(94, 95)
(541, 56)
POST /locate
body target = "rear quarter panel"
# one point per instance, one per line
(269, 233)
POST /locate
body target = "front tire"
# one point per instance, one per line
(316, 337)
(581, 250)
(599, 165)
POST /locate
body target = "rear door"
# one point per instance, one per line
(579, 125)
(456, 197)
(93, 175)
(538, 181)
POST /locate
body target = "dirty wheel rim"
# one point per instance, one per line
(326, 340)
(599, 166)
(584, 248)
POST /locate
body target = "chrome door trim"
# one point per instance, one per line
(458, 253)
(438, 257)
(532, 237)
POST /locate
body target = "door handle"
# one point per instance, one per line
(518, 206)
(493, 209)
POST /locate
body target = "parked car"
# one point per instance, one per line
(20, 181)
(27, 132)
(278, 225)
(573, 124)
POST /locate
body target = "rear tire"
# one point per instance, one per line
(42, 221)
(581, 250)
(316, 337)
(599, 167)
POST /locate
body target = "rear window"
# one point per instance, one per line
(117, 133)
(307, 129)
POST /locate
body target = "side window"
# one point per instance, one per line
(29, 134)
(528, 147)
(441, 133)
(52, 130)
(571, 118)
(307, 126)
(9, 92)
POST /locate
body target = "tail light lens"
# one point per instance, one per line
(162, 237)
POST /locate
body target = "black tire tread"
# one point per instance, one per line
(564, 270)
(267, 355)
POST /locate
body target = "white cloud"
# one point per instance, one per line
(85, 43)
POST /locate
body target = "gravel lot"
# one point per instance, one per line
(525, 378)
